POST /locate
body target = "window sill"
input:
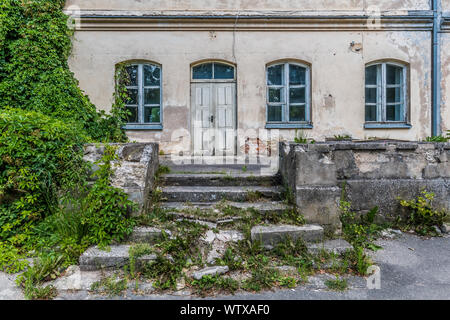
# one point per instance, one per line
(387, 126)
(289, 126)
(143, 127)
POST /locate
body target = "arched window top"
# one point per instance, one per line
(213, 71)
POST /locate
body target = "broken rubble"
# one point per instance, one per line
(211, 271)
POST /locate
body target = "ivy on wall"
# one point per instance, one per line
(35, 43)
(45, 118)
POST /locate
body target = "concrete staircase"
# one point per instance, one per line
(202, 194)
(204, 191)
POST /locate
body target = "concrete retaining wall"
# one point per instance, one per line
(135, 170)
(374, 174)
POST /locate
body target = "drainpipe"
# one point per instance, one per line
(436, 66)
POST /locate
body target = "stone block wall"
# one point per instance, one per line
(374, 174)
(135, 171)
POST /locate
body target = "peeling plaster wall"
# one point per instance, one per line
(373, 173)
(337, 74)
(249, 5)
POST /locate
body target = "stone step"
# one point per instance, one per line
(146, 235)
(115, 258)
(271, 235)
(219, 180)
(262, 207)
(213, 194)
(337, 246)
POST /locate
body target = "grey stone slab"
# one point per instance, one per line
(263, 207)
(145, 234)
(117, 256)
(234, 179)
(211, 271)
(208, 194)
(273, 234)
(336, 246)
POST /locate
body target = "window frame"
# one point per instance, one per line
(213, 62)
(381, 103)
(285, 122)
(141, 125)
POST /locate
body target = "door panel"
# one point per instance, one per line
(225, 118)
(202, 102)
(213, 118)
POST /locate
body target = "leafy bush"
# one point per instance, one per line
(422, 217)
(35, 43)
(39, 156)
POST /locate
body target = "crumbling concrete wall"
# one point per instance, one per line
(373, 174)
(134, 172)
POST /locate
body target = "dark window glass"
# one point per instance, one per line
(371, 95)
(203, 71)
(132, 96)
(394, 75)
(152, 75)
(152, 96)
(275, 75)
(371, 113)
(297, 95)
(133, 114)
(223, 71)
(371, 75)
(152, 115)
(276, 95)
(297, 113)
(297, 75)
(275, 113)
(132, 76)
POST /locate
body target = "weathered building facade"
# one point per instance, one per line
(207, 76)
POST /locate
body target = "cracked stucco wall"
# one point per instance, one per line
(337, 68)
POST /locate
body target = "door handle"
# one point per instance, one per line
(212, 119)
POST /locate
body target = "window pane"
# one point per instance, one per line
(132, 96)
(223, 71)
(133, 116)
(275, 113)
(371, 95)
(297, 95)
(393, 95)
(297, 113)
(371, 113)
(297, 75)
(152, 115)
(152, 75)
(203, 71)
(132, 76)
(152, 96)
(394, 74)
(371, 75)
(276, 94)
(393, 113)
(275, 75)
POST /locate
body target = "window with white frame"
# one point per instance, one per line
(288, 93)
(144, 93)
(386, 93)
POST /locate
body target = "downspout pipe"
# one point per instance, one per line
(436, 70)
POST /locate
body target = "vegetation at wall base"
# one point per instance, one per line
(47, 209)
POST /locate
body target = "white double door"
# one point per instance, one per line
(213, 118)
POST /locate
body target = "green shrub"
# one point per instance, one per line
(39, 156)
(35, 43)
(108, 209)
(422, 217)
